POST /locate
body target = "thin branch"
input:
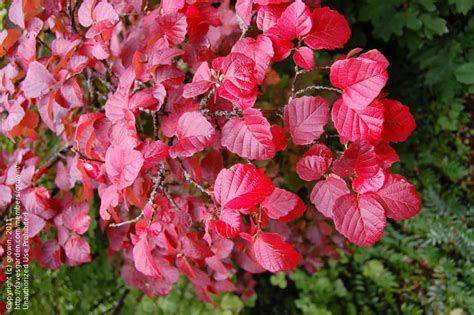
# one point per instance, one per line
(71, 12)
(243, 26)
(43, 43)
(157, 181)
(120, 303)
(205, 99)
(52, 160)
(154, 117)
(134, 220)
(190, 179)
(293, 82)
(317, 87)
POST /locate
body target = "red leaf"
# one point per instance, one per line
(399, 123)
(360, 219)
(174, 26)
(38, 81)
(352, 125)
(202, 81)
(194, 134)
(326, 192)
(196, 249)
(362, 79)
(76, 217)
(386, 154)
(108, 198)
(241, 187)
(330, 30)
(399, 198)
(305, 118)
(274, 254)
(240, 83)
(50, 256)
(281, 47)
(279, 139)
(229, 224)
(360, 158)
(244, 10)
(144, 261)
(365, 185)
(249, 137)
(77, 251)
(123, 166)
(314, 162)
(268, 15)
(153, 152)
(260, 50)
(5, 196)
(295, 21)
(281, 204)
(304, 58)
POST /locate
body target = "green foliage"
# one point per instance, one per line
(423, 266)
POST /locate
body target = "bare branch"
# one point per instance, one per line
(317, 87)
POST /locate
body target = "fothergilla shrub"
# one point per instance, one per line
(156, 110)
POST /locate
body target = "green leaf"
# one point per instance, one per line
(465, 73)
(462, 6)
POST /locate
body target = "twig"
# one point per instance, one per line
(71, 11)
(205, 99)
(190, 179)
(121, 302)
(43, 43)
(317, 87)
(52, 160)
(157, 181)
(243, 26)
(154, 117)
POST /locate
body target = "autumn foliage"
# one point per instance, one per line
(155, 110)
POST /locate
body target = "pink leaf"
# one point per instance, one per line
(194, 134)
(229, 223)
(330, 30)
(281, 203)
(372, 184)
(38, 81)
(244, 10)
(202, 81)
(241, 187)
(50, 256)
(305, 118)
(326, 192)
(360, 158)
(123, 165)
(364, 124)
(5, 196)
(260, 50)
(361, 79)
(249, 137)
(77, 251)
(196, 249)
(267, 17)
(174, 26)
(399, 198)
(274, 254)
(76, 217)
(314, 162)
(360, 219)
(295, 21)
(144, 261)
(304, 58)
(240, 83)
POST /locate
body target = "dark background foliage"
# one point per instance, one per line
(422, 266)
